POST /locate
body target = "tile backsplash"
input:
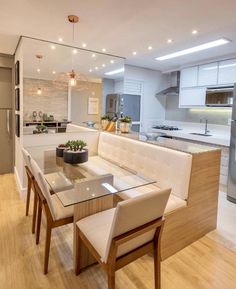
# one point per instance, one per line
(53, 100)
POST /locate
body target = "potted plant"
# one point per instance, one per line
(76, 153)
(40, 128)
(60, 149)
(125, 124)
(105, 120)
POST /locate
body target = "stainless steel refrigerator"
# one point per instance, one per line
(6, 136)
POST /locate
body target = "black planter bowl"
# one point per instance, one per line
(78, 157)
(59, 151)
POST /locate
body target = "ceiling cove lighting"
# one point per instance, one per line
(194, 49)
(115, 71)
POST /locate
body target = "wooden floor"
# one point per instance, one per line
(205, 264)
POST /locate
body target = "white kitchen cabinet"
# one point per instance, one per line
(191, 97)
(207, 74)
(189, 77)
(227, 72)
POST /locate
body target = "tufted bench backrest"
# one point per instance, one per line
(170, 168)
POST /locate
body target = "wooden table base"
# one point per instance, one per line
(83, 210)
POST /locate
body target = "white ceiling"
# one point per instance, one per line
(62, 60)
(124, 26)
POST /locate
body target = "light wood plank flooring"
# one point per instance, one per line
(205, 264)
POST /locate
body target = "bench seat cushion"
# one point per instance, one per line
(173, 203)
(122, 179)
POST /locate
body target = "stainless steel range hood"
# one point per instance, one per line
(174, 85)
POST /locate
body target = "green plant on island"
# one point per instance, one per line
(76, 145)
(126, 119)
(105, 117)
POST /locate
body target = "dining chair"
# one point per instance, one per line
(30, 186)
(56, 214)
(123, 234)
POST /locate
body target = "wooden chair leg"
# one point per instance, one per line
(157, 268)
(39, 216)
(77, 251)
(28, 196)
(47, 247)
(111, 279)
(34, 213)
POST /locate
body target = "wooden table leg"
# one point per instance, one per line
(83, 210)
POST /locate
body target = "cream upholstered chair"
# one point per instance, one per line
(30, 179)
(56, 214)
(118, 236)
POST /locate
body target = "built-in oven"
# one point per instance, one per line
(220, 96)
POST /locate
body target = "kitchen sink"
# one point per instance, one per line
(201, 134)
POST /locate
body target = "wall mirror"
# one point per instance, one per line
(67, 83)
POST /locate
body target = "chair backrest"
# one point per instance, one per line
(133, 213)
(43, 186)
(27, 159)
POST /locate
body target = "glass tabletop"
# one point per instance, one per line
(93, 179)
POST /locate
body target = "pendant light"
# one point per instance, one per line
(39, 57)
(73, 19)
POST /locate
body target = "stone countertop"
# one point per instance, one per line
(220, 134)
(174, 144)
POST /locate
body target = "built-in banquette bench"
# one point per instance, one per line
(191, 211)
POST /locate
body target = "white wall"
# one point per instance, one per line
(19, 167)
(153, 109)
(79, 102)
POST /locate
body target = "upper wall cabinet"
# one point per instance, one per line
(207, 74)
(227, 72)
(192, 97)
(189, 77)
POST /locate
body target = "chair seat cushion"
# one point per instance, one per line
(61, 212)
(97, 228)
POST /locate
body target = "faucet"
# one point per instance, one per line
(206, 125)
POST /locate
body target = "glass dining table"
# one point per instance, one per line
(90, 187)
(93, 179)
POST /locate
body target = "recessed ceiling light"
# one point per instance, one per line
(60, 39)
(104, 50)
(103, 65)
(112, 61)
(194, 32)
(115, 71)
(74, 51)
(201, 47)
(96, 68)
(84, 45)
(90, 70)
(169, 40)
(54, 72)
(53, 47)
(134, 52)
(150, 47)
(93, 55)
(38, 69)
